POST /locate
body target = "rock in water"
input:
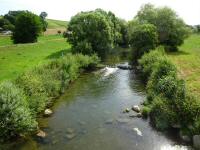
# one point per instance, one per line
(136, 108)
(196, 141)
(126, 110)
(70, 130)
(70, 136)
(48, 112)
(137, 131)
(41, 134)
(124, 66)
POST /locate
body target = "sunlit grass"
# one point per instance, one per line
(15, 59)
(188, 62)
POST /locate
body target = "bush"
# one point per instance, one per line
(142, 40)
(34, 90)
(15, 116)
(167, 96)
(45, 82)
(148, 61)
(146, 111)
(28, 26)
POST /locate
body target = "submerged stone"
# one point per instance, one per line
(109, 121)
(127, 110)
(123, 120)
(41, 134)
(70, 136)
(70, 130)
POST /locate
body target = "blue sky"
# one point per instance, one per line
(189, 10)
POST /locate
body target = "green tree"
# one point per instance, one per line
(27, 28)
(142, 40)
(171, 29)
(43, 16)
(90, 32)
(11, 16)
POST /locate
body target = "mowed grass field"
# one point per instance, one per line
(188, 63)
(54, 26)
(15, 59)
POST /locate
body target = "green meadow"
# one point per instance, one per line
(187, 61)
(15, 59)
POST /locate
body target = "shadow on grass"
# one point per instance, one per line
(58, 54)
(178, 53)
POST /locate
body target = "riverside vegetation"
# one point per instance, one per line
(152, 33)
(22, 99)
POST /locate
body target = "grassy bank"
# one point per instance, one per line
(15, 59)
(30, 93)
(187, 60)
(169, 103)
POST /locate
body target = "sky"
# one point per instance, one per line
(189, 10)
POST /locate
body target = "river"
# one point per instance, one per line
(89, 116)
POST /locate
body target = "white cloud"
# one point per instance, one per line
(189, 10)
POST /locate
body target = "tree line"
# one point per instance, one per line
(25, 26)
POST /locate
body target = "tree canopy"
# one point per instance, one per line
(142, 40)
(90, 32)
(170, 27)
(28, 26)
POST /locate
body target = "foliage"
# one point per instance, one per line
(167, 96)
(43, 16)
(15, 117)
(147, 62)
(146, 111)
(27, 28)
(89, 33)
(171, 29)
(34, 90)
(143, 39)
(48, 81)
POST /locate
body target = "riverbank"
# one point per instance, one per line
(89, 116)
(169, 103)
(187, 59)
(30, 93)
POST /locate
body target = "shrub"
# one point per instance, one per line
(142, 40)
(45, 82)
(148, 61)
(162, 113)
(28, 26)
(163, 68)
(146, 111)
(15, 116)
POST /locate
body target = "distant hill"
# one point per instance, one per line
(55, 24)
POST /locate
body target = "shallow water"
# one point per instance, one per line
(89, 116)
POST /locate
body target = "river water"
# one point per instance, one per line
(89, 116)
